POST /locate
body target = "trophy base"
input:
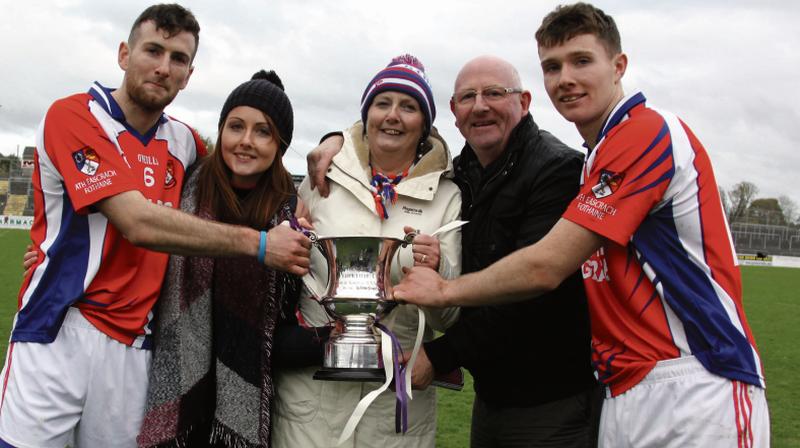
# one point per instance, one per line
(350, 374)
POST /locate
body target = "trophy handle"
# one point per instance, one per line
(309, 279)
(407, 240)
(409, 237)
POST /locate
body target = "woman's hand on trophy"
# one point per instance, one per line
(425, 249)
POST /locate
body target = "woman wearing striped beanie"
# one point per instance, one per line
(391, 176)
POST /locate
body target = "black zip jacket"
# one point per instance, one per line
(538, 350)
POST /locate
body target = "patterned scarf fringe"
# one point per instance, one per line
(228, 437)
(180, 441)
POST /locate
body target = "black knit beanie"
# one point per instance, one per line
(264, 92)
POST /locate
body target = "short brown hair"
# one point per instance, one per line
(171, 18)
(568, 21)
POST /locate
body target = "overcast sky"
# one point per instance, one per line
(728, 68)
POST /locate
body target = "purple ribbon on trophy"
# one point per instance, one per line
(401, 406)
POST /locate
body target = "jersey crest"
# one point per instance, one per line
(169, 176)
(86, 160)
(608, 185)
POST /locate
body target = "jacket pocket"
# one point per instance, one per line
(298, 395)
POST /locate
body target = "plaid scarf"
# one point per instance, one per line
(211, 378)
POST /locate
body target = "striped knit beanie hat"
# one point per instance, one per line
(404, 74)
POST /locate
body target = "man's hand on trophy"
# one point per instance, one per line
(422, 371)
(425, 249)
(421, 286)
(287, 250)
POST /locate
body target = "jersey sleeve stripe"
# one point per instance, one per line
(653, 144)
(662, 158)
(666, 176)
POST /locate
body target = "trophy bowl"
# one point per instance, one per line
(356, 293)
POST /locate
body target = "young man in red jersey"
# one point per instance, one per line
(669, 336)
(109, 168)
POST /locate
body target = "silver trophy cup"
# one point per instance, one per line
(357, 288)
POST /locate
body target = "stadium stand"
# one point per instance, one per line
(15, 205)
(3, 193)
(28, 211)
(16, 192)
(19, 185)
(750, 238)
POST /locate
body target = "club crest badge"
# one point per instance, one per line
(609, 183)
(86, 160)
(169, 177)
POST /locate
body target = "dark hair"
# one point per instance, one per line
(172, 18)
(255, 210)
(568, 21)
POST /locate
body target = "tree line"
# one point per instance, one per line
(741, 204)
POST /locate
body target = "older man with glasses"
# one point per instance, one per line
(530, 360)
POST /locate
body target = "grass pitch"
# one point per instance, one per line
(12, 246)
(771, 300)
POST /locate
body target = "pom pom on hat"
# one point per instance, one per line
(265, 92)
(407, 59)
(404, 74)
(270, 76)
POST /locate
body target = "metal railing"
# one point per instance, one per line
(768, 238)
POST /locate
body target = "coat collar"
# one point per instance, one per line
(524, 135)
(350, 168)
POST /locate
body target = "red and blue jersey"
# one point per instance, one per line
(666, 284)
(86, 152)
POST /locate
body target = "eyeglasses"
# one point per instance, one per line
(491, 94)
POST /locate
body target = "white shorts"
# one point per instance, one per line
(681, 404)
(83, 385)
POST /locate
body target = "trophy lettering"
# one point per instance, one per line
(356, 294)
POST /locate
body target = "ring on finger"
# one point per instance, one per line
(424, 257)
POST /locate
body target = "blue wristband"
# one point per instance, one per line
(262, 247)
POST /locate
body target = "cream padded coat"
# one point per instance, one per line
(310, 413)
